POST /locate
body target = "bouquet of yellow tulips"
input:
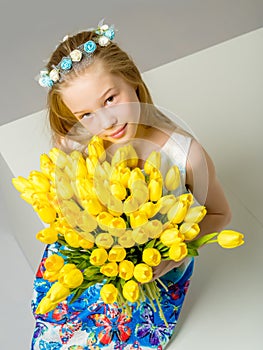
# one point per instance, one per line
(113, 221)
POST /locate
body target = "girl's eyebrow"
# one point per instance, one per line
(102, 96)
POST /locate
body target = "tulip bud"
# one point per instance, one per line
(171, 236)
(178, 251)
(130, 205)
(177, 213)
(104, 219)
(47, 214)
(172, 178)
(195, 214)
(189, 230)
(126, 240)
(98, 256)
(117, 254)
(58, 292)
(46, 165)
(230, 239)
(130, 291)
(54, 263)
(21, 184)
(136, 174)
(155, 190)
(72, 238)
(109, 293)
(138, 219)
(104, 240)
(47, 236)
(153, 228)
(126, 268)
(39, 181)
(143, 273)
(58, 157)
(72, 279)
(117, 226)
(110, 269)
(97, 150)
(152, 162)
(132, 157)
(118, 190)
(151, 256)
(119, 158)
(139, 235)
(166, 203)
(45, 305)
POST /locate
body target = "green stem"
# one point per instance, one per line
(162, 284)
(212, 241)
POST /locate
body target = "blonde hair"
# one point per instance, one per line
(115, 60)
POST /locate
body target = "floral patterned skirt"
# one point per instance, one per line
(89, 324)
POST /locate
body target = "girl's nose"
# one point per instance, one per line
(107, 118)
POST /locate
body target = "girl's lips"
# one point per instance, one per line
(119, 133)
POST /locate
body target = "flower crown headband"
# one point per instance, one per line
(104, 33)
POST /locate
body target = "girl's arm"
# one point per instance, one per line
(202, 181)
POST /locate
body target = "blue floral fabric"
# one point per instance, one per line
(88, 323)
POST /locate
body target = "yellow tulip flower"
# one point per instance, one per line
(178, 251)
(96, 149)
(64, 189)
(66, 269)
(132, 160)
(138, 219)
(152, 162)
(171, 236)
(166, 202)
(126, 240)
(104, 240)
(118, 190)
(39, 181)
(136, 174)
(195, 214)
(143, 273)
(151, 256)
(139, 191)
(85, 244)
(47, 214)
(150, 209)
(91, 163)
(45, 305)
(109, 293)
(93, 206)
(27, 196)
(124, 175)
(51, 276)
(98, 256)
(104, 219)
(110, 269)
(139, 235)
(117, 226)
(114, 205)
(71, 279)
(58, 292)
(130, 205)
(119, 158)
(172, 178)
(130, 291)
(72, 238)
(47, 235)
(153, 228)
(126, 268)
(189, 230)
(177, 212)
(117, 254)
(46, 165)
(155, 189)
(54, 263)
(85, 221)
(230, 239)
(58, 157)
(21, 184)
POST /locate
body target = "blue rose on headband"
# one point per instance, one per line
(45, 81)
(66, 63)
(89, 46)
(109, 33)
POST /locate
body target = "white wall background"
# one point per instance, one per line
(218, 92)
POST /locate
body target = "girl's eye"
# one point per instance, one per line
(87, 115)
(109, 100)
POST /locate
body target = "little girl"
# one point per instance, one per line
(96, 89)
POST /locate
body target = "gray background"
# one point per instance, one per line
(153, 32)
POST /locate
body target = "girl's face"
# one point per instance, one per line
(104, 103)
